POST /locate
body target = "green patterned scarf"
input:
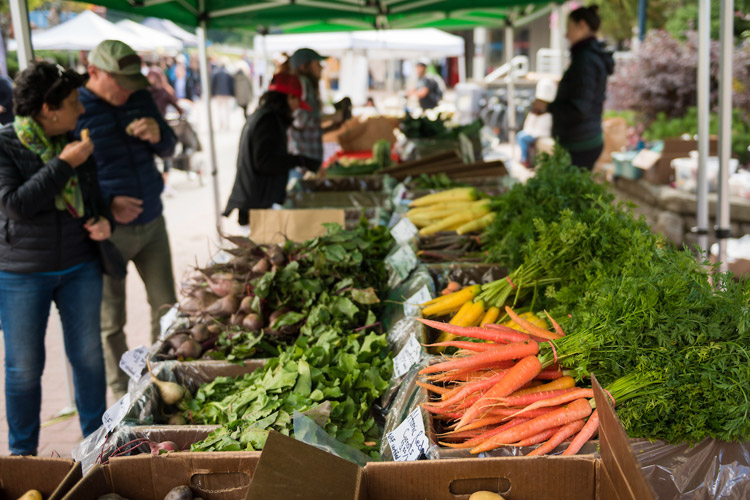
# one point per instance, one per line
(31, 135)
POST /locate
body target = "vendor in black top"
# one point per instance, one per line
(577, 109)
(263, 162)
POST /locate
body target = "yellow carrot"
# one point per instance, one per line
(490, 316)
(472, 317)
(449, 304)
(474, 212)
(476, 224)
(456, 194)
(438, 207)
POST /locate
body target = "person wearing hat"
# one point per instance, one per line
(428, 89)
(538, 122)
(50, 208)
(263, 161)
(128, 130)
(306, 134)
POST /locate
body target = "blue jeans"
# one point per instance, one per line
(525, 140)
(25, 301)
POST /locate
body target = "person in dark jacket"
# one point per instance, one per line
(577, 109)
(128, 130)
(263, 162)
(6, 100)
(51, 215)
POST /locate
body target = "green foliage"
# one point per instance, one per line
(684, 17)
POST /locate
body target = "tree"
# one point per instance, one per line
(619, 17)
(684, 17)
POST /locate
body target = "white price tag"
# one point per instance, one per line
(134, 361)
(116, 413)
(409, 440)
(411, 307)
(395, 217)
(404, 231)
(398, 195)
(168, 319)
(405, 359)
(403, 261)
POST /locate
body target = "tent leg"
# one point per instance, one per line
(725, 127)
(511, 96)
(704, 61)
(206, 101)
(19, 13)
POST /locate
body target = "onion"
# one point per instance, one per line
(170, 392)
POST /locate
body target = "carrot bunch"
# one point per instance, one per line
(501, 392)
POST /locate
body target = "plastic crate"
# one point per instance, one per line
(624, 165)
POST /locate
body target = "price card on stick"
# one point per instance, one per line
(411, 307)
(168, 319)
(404, 231)
(398, 194)
(409, 440)
(116, 413)
(134, 361)
(407, 356)
(403, 261)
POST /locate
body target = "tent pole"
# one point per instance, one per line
(511, 95)
(704, 62)
(206, 100)
(723, 227)
(462, 69)
(19, 13)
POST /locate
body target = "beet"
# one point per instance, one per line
(276, 256)
(199, 332)
(252, 322)
(223, 307)
(177, 339)
(262, 266)
(276, 315)
(190, 349)
(215, 329)
(246, 305)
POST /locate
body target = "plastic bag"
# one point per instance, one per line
(398, 295)
(409, 397)
(307, 431)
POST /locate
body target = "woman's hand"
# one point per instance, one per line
(99, 229)
(77, 152)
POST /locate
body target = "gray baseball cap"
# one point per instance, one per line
(304, 56)
(120, 61)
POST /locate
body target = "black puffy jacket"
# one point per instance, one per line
(577, 109)
(263, 162)
(34, 235)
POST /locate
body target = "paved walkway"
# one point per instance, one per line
(190, 220)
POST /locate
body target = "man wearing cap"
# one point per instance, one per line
(128, 130)
(428, 89)
(306, 134)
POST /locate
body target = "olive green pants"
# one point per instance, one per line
(147, 246)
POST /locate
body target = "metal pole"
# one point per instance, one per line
(511, 96)
(19, 13)
(206, 98)
(642, 7)
(704, 62)
(725, 127)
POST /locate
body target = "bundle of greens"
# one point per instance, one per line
(334, 378)
(556, 186)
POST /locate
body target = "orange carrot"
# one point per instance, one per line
(523, 371)
(476, 332)
(470, 443)
(578, 409)
(474, 387)
(530, 327)
(537, 438)
(470, 374)
(560, 383)
(550, 374)
(433, 388)
(588, 431)
(561, 435)
(555, 324)
(559, 400)
(463, 344)
(527, 399)
(441, 411)
(485, 359)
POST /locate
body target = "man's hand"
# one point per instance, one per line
(126, 209)
(145, 129)
(77, 152)
(99, 229)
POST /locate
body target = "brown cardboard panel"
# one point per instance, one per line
(291, 470)
(21, 474)
(71, 479)
(617, 456)
(93, 485)
(276, 226)
(604, 486)
(520, 478)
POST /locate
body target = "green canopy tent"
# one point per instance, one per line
(296, 16)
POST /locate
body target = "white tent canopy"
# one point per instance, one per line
(84, 32)
(158, 40)
(171, 29)
(398, 44)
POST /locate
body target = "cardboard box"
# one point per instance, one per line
(662, 173)
(211, 476)
(295, 471)
(52, 477)
(362, 136)
(277, 226)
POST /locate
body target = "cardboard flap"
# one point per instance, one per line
(73, 477)
(293, 470)
(21, 474)
(622, 468)
(95, 483)
(277, 226)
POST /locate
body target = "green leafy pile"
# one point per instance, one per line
(424, 128)
(334, 378)
(556, 186)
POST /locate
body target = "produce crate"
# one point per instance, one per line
(182, 435)
(52, 477)
(210, 476)
(326, 184)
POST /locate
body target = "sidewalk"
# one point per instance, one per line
(190, 222)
